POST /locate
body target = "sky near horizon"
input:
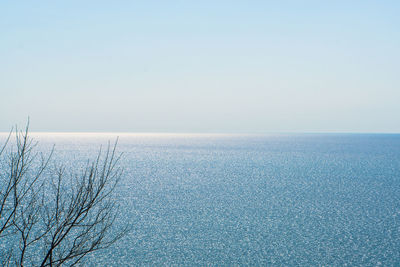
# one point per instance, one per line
(200, 66)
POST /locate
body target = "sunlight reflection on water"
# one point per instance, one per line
(250, 200)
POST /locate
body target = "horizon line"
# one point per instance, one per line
(197, 133)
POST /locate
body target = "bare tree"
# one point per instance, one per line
(18, 181)
(52, 216)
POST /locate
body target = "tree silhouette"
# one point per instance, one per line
(50, 216)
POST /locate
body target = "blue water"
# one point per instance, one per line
(276, 200)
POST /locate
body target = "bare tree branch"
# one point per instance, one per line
(64, 218)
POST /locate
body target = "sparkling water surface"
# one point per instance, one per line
(275, 200)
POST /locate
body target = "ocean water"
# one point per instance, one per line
(273, 200)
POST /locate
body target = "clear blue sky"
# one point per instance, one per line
(200, 66)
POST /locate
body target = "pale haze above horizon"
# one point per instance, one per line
(200, 66)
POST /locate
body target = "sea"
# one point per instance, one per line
(239, 200)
